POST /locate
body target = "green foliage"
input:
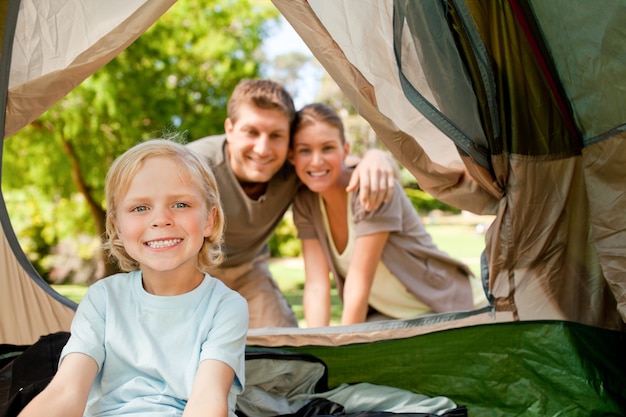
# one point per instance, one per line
(424, 203)
(284, 242)
(41, 225)
(74, 292)
(176, 77)
(295, 71)
(38, 246)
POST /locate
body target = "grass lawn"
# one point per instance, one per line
(461, 241)
(459, 238)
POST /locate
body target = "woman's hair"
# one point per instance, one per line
(317, 112)
(264, 94)
(118, 180)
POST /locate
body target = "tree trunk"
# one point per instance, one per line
(105, 266)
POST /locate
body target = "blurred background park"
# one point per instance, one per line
(176, 78)
(459, 234)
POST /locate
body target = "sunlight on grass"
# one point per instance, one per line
(74, 292)
(461, 242)
(288, 274)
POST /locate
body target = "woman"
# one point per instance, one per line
(383, 261)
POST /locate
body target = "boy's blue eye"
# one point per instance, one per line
(140, 208)
(181, 205)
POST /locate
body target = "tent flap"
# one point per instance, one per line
(59, 44)
(478, 101)
(506, 369)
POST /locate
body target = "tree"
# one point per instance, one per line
(299, 73)
(176, 77)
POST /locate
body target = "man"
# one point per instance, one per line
(257, 186)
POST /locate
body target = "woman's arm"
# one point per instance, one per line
(368, 250)
(374, 176)
(316, 297)
(209, 394)
(66, 395)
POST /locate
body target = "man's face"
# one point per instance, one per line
(257, 143)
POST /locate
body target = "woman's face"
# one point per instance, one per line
(318, 155)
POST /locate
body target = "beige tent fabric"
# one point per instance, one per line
(446, 179)
(38, 81)
(558, 219)
(26, 311)
(31, 93)
(366, 332)
(542, 262)
(605, 171)
(541, 258)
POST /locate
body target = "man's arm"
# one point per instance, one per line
(374, 175)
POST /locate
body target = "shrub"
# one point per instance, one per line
(284, 242)
(424, 203)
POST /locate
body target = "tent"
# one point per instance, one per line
(48, 48)
(507, 107)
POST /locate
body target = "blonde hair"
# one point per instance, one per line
(118, 180)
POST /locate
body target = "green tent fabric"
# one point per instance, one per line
(507, 369)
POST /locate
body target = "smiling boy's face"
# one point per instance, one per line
(257, 143)
(162, 218)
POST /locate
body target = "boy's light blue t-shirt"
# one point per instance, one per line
(148, 347)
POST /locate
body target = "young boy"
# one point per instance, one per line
(164, 338)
